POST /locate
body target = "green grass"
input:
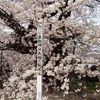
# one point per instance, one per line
(89, 85)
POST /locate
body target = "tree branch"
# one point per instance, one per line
(12, 23)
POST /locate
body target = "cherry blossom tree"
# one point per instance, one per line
(64, 45)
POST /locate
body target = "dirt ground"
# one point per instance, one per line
(73, 96)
